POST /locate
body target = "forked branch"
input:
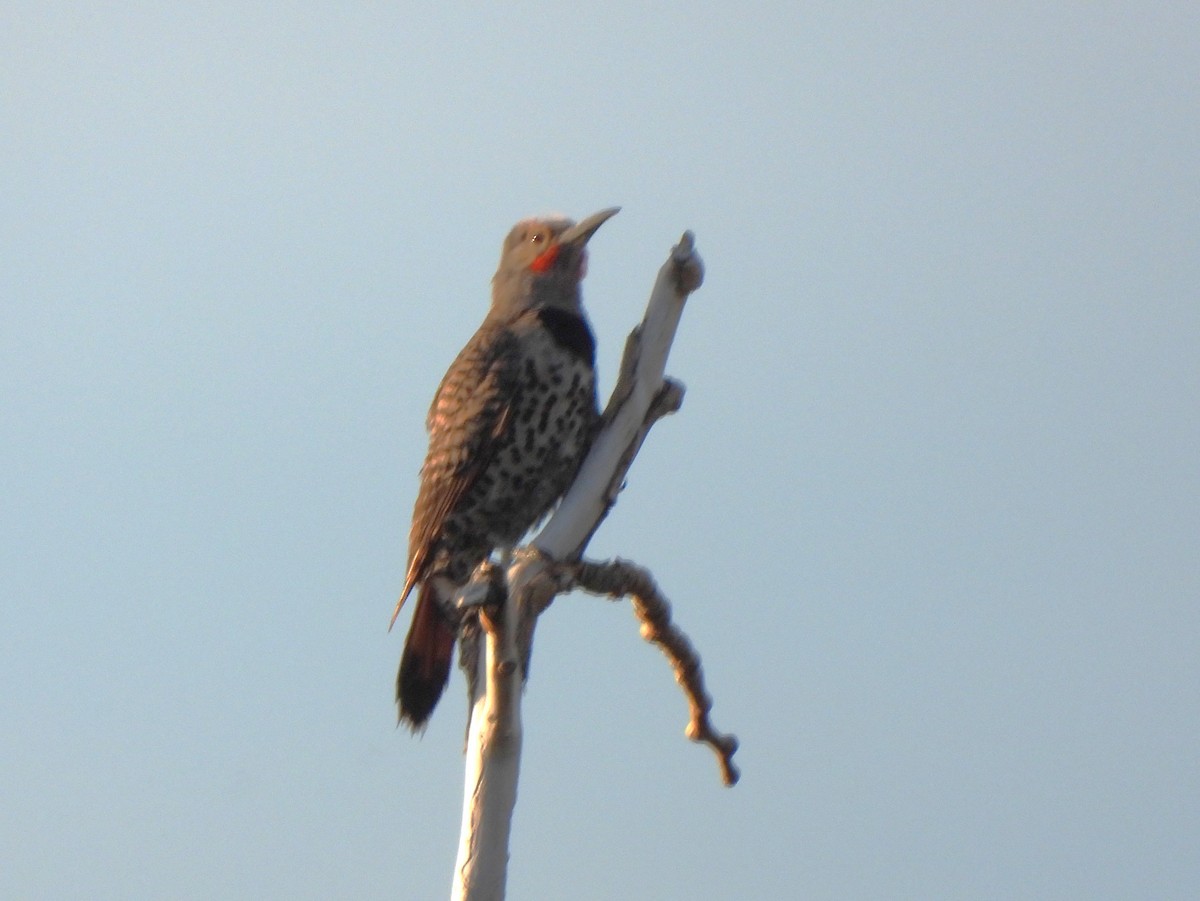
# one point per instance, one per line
(550, 565)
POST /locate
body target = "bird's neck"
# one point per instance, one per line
(554, 291)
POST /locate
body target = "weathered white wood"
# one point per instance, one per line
(641, 380)
(493, 762)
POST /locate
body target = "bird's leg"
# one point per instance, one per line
(490, 589)
(477, 604)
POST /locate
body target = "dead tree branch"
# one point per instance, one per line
(551, 565)
(621, 578)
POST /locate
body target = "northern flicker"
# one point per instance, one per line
(509, 426)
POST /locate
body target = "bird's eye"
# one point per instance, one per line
(537, 237)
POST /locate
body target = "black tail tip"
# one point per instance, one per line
(416, 695)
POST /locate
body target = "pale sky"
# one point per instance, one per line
(930, 512)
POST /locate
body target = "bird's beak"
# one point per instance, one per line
(581, 232)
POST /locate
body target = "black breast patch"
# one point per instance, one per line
(570, 332)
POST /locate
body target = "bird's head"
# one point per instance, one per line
(544, 259)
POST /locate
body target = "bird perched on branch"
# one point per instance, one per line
(509, 426)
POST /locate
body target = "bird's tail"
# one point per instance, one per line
(425, 663)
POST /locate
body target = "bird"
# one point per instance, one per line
(509, 426)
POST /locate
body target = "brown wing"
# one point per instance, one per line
(466, 423)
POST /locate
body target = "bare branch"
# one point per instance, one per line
(628, 416)
(493, 755)
(547, 567)
(621, 578)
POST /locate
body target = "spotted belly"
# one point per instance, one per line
(549, 431)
